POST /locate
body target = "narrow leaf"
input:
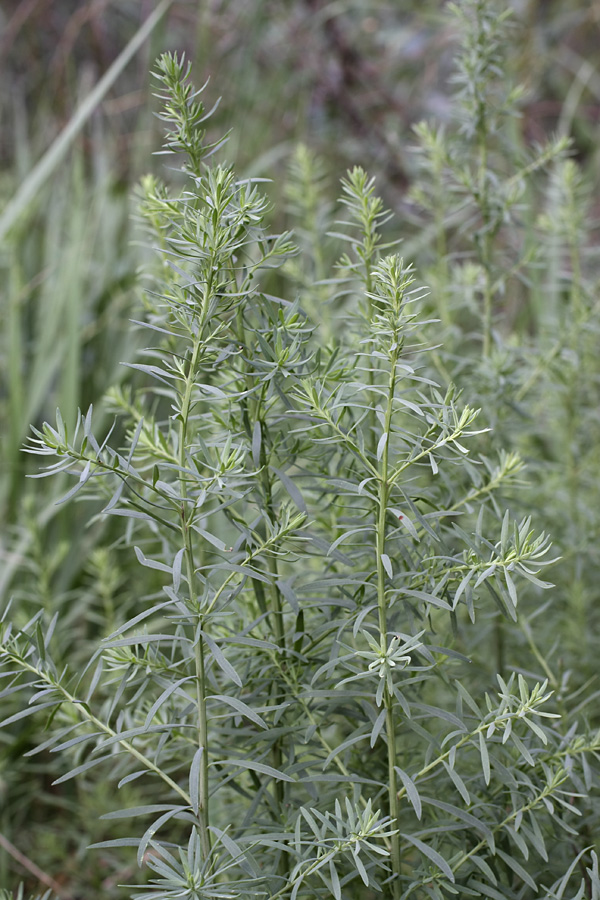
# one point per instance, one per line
(221, 660)
(255, 767)
(194, 778)
(381, 445)
(387, 565)
(411, 791)
(485, 759)
(240, 707)
(431, 854)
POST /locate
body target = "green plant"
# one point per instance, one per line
(293, 698)
(514, 278)
(6, 895)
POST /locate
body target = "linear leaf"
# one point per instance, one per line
(411, 791)
(485, 759)
(240, 707)
(517, 868)
(164, 697)
(458, 813)
(194, 778)
(431, 854)
(221, 660)
(84, 767)
(139, 811)
(255, 767)
(291, 489)
(387, 565)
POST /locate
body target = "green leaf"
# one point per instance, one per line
(411, 791)
(517, 868)
(134, 811)
(194, 778)
(431, 854)
(485, 759)
(381, 445)
(255, 767)
(240, 707)
(291, 489)
(387, 565)
(84, 767)
(335, 881)
(168, 691)
(220, 659)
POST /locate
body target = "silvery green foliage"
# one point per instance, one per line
(476, 183)
(296, 699)
(7, 895)
(515, 285)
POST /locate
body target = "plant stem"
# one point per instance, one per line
(277, 616)
(275, 594)
(202, 724)
(102, 726)
(484, 244)
(485, 258)
(384, 489)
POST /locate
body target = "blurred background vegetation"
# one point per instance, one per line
(349, 80)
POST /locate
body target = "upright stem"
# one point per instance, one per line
(485, 247)
(576, 379)
(200, 671)
(441, 267)
(384, 490)
(487, 306)
(277, 617)
(276, 612)
(485, 257)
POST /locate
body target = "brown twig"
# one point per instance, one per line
(357, 73)
(23, 11)
(72, 30)
(33, 869)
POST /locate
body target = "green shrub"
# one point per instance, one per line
(295, 700)
(306, 697)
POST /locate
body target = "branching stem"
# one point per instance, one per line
(383, 498)
(186, 515)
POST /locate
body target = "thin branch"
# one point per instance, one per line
(34, 870)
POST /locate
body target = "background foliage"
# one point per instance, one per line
(498, 219)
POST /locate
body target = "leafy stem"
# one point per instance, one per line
(83, 710)
(390, 725)
(202, 725)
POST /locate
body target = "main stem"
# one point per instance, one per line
(577, 613)
(200, 671)
(277, 616)
(485, 248)
(276, 612)
(485, 257)
(384, 490)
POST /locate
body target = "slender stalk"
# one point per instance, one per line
(487, 309)
(485, 258)
(485, 245)
(576, 604)
(547, 791)
(384, 489)
(102, 726)
(34, 869)
(277, 616)
(275, 594)
(200, 671)
(441, 268)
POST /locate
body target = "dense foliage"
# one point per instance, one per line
(312, 648)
